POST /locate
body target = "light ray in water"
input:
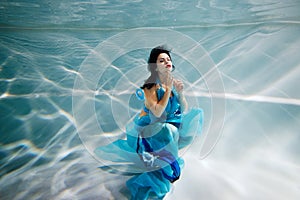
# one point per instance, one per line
(229, 96)
(254, 98)
(253, 44)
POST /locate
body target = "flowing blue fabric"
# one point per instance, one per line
(151, 147)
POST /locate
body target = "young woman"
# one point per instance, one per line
(159, 130)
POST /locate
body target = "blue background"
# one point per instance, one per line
(254, 44)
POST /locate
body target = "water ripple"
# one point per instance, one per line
(254, 44)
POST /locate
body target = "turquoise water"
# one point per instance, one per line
(253, 45)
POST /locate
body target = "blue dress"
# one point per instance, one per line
(152, 145)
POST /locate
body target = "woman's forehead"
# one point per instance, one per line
(163, 55)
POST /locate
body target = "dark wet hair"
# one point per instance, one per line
(152, 80)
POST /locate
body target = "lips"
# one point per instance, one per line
(168, 66)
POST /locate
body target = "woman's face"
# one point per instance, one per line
(164, 63)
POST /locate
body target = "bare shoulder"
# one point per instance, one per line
(150, 96)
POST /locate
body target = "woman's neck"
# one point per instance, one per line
(162, 78)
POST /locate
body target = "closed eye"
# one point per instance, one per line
(164, 59)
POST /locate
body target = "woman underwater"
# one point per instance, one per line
(159, 131)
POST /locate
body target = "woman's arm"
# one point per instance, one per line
(157, 107)
(179, 88)
(152, 103)
(183, 102)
